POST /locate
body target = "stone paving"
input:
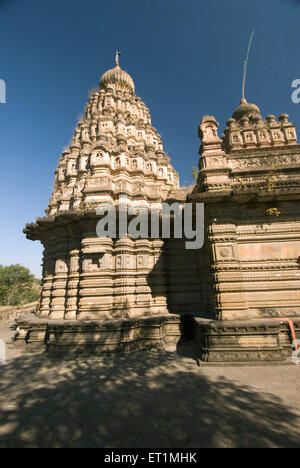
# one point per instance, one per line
(147, 400)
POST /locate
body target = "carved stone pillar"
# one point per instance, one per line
(72, 296)
(124, 282)
(58, 303)
(96, 279)
(47, 282)
(157, 277)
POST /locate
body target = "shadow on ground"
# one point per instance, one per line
(145, 400)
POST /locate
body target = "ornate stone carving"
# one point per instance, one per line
(247, 269)
(269, 161)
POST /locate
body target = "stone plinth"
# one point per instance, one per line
(245, 341)
(100, 337)
(255, 341)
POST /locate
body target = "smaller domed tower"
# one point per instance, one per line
(249, 181)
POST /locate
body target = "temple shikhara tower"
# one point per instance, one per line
(238, 295)
(115, 153)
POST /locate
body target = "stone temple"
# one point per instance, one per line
(238, 296)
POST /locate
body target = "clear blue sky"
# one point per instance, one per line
(185, 57)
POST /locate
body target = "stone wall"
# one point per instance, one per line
(251, 191)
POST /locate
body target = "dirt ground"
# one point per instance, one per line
(144, 400)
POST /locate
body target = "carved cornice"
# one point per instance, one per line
(289, 160)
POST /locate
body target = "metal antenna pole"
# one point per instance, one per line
(245, 65)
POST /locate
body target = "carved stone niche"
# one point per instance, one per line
(262, 136)
(71, 168)
(93, 263)
(124, 262)
(288, 129)
(249, 137)
(62, 173)
(162, 173)
(235, 139)
(85, 135)
(225, 252)
(277, 136)
(134, 164)
(99, 157)
(208, 130)
(290, 135)
(142, 262)
(83, 163)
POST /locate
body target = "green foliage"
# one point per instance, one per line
(269, 181)
(195, 173)
(268, 185)
(273, 211)
(243, 186)
(17, 285)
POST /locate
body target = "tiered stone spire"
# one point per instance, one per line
(115, 150)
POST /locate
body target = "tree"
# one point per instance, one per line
(195, 173)
(17, 285)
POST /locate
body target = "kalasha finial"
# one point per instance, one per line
(117, 58)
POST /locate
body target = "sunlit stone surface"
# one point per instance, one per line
(122, 294)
